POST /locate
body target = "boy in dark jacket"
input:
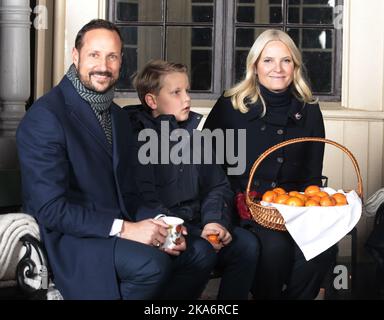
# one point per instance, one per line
(172, 180)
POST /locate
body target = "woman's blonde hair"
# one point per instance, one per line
(248, 90)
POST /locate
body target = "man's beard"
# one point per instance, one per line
(87, 82)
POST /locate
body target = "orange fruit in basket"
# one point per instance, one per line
(293, 193)
(301, 196)
(312, 203)
(281, 198)
(269, 196)
(294, 202)
(316, 198)
(298, 195)
(327, 201)
(311, 190)
(322, 194)
(279, 191)
(341, 199)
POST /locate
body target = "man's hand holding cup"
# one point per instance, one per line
(175, 242)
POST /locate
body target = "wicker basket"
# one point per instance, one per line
(270, 217)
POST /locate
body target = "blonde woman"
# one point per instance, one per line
(274, 103)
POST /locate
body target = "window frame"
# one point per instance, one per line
(223, 51)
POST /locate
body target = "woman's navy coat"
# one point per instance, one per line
(292, 167)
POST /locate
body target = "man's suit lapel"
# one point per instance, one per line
(84, 114)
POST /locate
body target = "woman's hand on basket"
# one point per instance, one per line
(223, 235)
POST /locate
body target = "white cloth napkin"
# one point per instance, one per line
(315, 229)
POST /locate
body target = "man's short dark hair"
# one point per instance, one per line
(96, 24)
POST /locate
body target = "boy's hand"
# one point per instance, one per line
(211, 230)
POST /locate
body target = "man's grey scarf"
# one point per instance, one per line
(100, 102)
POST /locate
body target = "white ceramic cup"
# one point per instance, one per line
(174, 231)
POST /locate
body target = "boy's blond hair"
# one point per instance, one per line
(149, 79)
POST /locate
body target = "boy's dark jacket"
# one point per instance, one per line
(197, 193)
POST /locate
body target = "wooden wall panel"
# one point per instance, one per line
(356, 140)
(333, 158)
(375, 158)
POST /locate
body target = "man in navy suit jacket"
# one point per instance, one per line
(74, 150)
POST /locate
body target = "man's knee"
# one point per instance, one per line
(141, 263)
(146, 276)
(157, 268)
